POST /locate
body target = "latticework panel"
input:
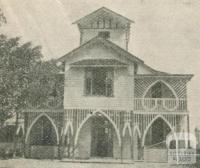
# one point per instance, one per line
(142, 84)
(144, 121)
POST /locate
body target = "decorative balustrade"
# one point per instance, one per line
(160, 105)
(140, 105)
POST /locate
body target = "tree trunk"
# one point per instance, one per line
(15, 135)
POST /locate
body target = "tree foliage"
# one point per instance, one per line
(26, 79)
(17, 61)
(46, 84)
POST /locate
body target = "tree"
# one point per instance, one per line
(46, 86)
(25, 79)
(17, 61)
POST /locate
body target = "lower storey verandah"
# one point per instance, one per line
(85, 134)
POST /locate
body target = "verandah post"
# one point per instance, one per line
(132, 131)
(60, 143)
(188, 129)
(121, 129)
(59, 148)
(75, 116)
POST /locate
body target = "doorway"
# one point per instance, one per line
(101, 137)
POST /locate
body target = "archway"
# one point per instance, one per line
(35, 120)
(157, 133)
(42, 138)
(97, 136)
(154, 140)
(160, 95)
(43, 133)
(160, 89)
(101, 137)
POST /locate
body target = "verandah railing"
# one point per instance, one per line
(139, 105)
(160, 104)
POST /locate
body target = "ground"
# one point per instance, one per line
(31, 163)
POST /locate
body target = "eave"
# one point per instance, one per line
(179, 76)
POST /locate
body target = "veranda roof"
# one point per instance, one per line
(165, 75)
(98, 62)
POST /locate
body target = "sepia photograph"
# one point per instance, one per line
(104, 84)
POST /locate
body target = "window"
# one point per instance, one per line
(99, 82)
(104, 34)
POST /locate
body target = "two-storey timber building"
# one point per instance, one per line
(114, 105)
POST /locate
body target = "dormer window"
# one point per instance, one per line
(99, 81)
(104, 34)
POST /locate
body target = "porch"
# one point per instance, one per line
(72, 133)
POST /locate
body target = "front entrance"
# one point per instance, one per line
(101, 137)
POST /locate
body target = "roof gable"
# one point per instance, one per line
(108, 44)
(103, 13)
(105, 43)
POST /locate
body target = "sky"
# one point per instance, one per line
(166, 34)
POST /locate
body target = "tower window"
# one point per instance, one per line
(104, 34)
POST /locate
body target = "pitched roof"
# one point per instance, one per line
(105, 43)
(155, 72)
(99, 11)
(123, 52)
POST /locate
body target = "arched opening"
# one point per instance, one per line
(102, 137)
(42, 138)
(157, 133)
(97, 138)
(160, 96)
(160, 90)
(155, 140)
(43, 133)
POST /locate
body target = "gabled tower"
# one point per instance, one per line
(106, 24)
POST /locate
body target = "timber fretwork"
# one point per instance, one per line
(136, 120)
(74, 119)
